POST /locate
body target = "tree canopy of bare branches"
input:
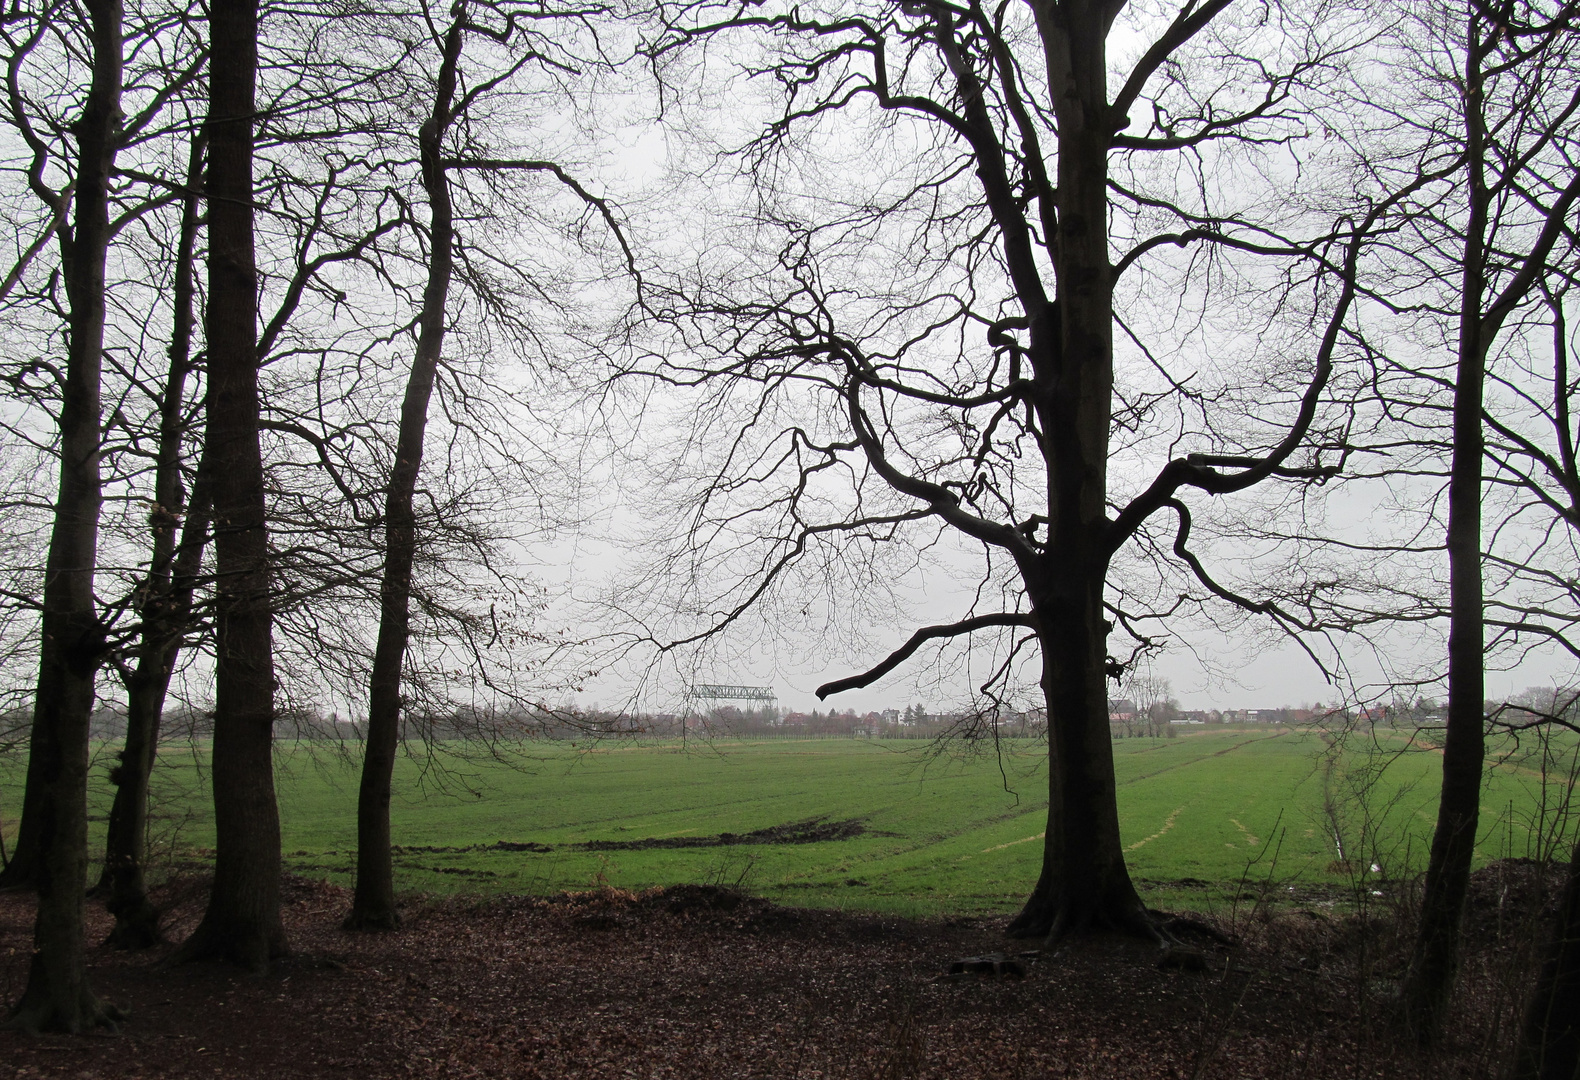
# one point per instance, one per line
(985, 283)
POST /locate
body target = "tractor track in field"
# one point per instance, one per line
(1216, 753)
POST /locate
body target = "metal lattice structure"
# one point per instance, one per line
(712, 693)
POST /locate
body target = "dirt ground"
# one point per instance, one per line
(695, 982)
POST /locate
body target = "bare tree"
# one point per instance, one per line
(374, 904)
(139, 195)
(164, 602)
(506, 27)
(242, 922)
(1490, 98)
(57, 996)
(945, 337)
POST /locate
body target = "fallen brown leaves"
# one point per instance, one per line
(695, 982)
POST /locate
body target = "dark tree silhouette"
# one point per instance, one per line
(1508, 212)
(1549, 1047)
(57, 996)
(373, 906)
(973, 386)
(165, 605)
(242, 922)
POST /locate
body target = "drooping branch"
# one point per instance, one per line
(603, 206)
(780, 565)
(354, 498)
(1258, 607)
(917, 640)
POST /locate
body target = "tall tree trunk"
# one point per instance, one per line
(1084, 881)
(1550, 1041)
(57, 997)
(373, 907)
(167, 601)
(242, 922)
(1435, 960)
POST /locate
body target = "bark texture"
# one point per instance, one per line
(242, 922)
(57, 997)
(373, 907)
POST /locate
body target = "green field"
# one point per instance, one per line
(1205, 817)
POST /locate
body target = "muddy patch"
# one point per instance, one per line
(498, 845)
(810, 831)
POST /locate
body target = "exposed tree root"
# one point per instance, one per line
(1055, 920)
(18, 881)
(372, 921)
(1042, 919)
(1169, 923)
(136, 929)
(37, 1014)
(136, 920)
(248, 947)
(1036, 918)
(1130, 919)
(1024, 927)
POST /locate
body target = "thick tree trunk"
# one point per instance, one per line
(1084, 882)
(242, 922)
(373, 907)
(57, 997)
(1435, 960)
(167, 601)
(1550, 1041)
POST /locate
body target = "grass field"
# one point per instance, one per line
(1205, 817)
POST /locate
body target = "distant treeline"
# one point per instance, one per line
(317, 725)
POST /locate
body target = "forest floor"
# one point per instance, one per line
(699, 982)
